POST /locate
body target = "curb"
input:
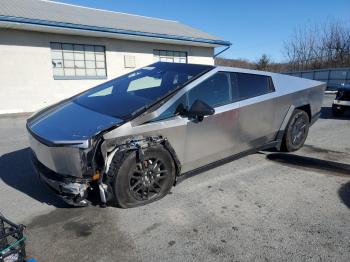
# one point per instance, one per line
(16, 115)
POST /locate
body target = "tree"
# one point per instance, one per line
(263, 63)
(319, 46)
(241, 63)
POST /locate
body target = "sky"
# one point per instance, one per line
(253, 27)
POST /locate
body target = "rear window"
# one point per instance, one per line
(251, 85)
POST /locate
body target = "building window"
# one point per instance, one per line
(76, 61)
(170, 56)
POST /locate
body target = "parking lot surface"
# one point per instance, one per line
(267, 206)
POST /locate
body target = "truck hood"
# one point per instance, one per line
(68, 123)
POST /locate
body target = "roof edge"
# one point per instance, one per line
(47, 23)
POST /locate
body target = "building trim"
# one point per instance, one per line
(54, 24)
(80, 77)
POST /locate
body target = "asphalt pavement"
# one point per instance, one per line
(264, 207)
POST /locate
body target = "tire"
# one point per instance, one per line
(136, 184)
(337, 110)
(296, 131)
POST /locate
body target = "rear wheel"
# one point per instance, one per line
(337, 110)
(296, 132)
(138, 183)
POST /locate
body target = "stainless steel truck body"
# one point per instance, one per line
(132, 137)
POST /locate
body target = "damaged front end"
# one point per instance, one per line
(71, 189)
(65, 142)
(66, 169)
(138, 144)
(77, 171)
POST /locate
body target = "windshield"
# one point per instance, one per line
(127, 94)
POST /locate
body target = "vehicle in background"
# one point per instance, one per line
(132, 137)
(341, 102)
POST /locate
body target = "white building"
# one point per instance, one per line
(50, 51)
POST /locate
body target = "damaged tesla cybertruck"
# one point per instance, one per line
(131, 138)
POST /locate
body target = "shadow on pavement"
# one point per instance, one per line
(16, 171)
(319, 165)
(344, 194)
(303, 162)
(326, 113)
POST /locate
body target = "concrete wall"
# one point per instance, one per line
(26, 77)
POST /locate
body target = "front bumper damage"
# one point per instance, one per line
(72, 190)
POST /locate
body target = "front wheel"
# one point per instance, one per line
(137, 183)
(337, 110)
(296, 131)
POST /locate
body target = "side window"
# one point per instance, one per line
(234, 88)
(250, 85)
(214, 91)
(174, 109)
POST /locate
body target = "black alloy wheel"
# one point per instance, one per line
(136, 182)
(296, 131)
(299, 128)
(148, 179)
(337, 110)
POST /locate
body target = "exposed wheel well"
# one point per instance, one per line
(140, 143)
(307, 109)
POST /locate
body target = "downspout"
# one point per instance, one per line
(225, 49)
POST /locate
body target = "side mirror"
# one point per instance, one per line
(199, 109)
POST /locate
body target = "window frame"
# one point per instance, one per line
(159, 56)
(77, 77)
(233, 85)
(229, 101)
(186, 98)
(271, 86)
